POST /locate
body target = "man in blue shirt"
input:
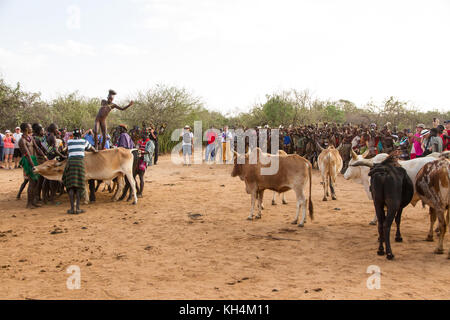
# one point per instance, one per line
(89, 137)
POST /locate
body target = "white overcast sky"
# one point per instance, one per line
(231, 52)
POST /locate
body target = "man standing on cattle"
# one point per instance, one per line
(74, 172)
(100, 120)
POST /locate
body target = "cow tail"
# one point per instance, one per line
(310, 204)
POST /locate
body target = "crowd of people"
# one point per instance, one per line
(304, 140)
(31, 145)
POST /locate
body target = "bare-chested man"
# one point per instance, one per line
(100, 120)
(29, 150)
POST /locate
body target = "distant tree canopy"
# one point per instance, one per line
(176, 107)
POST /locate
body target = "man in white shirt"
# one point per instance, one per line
(17, 154)
(187, 145)
(226, 137)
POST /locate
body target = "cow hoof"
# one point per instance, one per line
(284, 202)
(334, 198)
(274, 203)
(134, 203)
(439, 251)
(324, 199)
(389, 256)
(380, 252)
(373, 223)
(398, 239)
(301, 225)
(249, 218)
(294, 222)
(429, 238)
(258, 217)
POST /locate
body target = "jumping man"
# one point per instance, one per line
(100, 120)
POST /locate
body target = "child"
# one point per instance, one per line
(74, 172)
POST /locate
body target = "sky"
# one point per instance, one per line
(231, 52)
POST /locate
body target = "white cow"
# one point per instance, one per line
(360, 174)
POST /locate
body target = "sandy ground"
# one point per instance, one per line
(156, 251)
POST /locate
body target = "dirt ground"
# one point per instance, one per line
(188, 238)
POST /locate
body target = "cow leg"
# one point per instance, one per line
(86, 192)
(379, 209)
(374, 220)
(260, 199)
(133, 186)
(284, 198)
(274, 198)
(120, 186)
(442, 229)
(254, 195)
(301, 203)
(432, 221)
(325, 187)
(398, 218)
(333, 194)
(391, 212)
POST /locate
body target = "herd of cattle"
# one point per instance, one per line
(390, 183)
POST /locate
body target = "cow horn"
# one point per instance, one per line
(363, 162)
(353, 154)
(319, 146)
(365, 154)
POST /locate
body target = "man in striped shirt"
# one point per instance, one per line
(74, 172)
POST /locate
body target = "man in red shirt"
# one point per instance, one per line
(446, 136)
(211, 136)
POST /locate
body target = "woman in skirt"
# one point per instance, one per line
(74, 172)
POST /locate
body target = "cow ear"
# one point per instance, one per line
(365, 154)
(353, 154)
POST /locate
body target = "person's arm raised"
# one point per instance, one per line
(124, 108)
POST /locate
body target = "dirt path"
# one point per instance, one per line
(189, 238)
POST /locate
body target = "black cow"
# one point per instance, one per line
(391, 188)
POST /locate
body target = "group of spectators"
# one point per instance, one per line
(304, 140)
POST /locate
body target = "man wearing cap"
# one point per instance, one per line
(187, 145)
(100, 121)
(416, 141)
(17, 155)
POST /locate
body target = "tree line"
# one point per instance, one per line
(175, 107)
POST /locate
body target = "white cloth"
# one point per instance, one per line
(187, 140)
(17, 137)
(226, 136)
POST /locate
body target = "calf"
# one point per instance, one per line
(330, 164)
(433, 188)
(293, 173)
(392, 188)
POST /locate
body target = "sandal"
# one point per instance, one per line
(70, 211)
(80, 211)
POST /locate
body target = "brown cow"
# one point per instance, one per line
(330, 164)
(293, 173)
(433, 188)
(103, 165)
